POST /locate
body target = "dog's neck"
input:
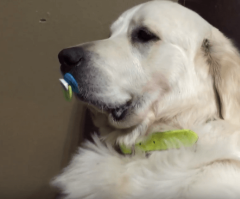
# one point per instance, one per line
(183, 119)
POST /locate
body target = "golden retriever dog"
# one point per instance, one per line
(163, 68)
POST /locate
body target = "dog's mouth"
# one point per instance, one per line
(117, 112)
(120, 112)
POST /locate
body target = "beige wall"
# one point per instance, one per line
(39, 130)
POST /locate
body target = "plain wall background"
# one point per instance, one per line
(39, 129)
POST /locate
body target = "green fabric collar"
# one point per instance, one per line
(164, 140)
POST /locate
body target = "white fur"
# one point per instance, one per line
(211, 170)
(175, 83)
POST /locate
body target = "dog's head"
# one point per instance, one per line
(162, 61)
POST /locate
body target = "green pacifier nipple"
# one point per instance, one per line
(67, 90)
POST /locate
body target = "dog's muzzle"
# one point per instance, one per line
(81, 75)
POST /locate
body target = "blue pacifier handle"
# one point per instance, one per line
(72, 82)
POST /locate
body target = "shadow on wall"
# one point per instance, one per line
(75, 128)
(73, 139)
(80, 128)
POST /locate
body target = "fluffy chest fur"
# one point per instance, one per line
(210, 169)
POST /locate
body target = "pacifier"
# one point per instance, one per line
(69, 85)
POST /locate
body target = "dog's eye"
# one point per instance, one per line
(144, 35)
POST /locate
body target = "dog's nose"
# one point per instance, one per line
(70, 57)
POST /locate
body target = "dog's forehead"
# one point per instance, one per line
(158, 10)
(164, 17)
(122, 23)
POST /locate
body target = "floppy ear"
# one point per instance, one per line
(224, 61)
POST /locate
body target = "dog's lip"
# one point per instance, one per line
(116, 112)
(109, 109)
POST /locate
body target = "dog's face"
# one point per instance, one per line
(152, 66)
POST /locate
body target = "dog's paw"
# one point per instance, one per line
(96, 172)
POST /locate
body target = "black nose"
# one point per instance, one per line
(70, 57)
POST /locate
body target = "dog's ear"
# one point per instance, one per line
(224, 61)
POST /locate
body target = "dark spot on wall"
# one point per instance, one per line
(43, 20)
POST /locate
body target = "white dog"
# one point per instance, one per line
(163, 68)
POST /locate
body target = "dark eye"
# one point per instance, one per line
(144, 35)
